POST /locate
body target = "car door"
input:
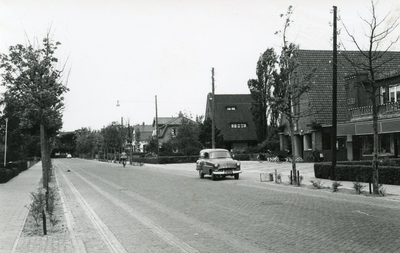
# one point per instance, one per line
(207, 165)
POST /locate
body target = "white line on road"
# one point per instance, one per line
(106, 233)
(77, 244)
(157, 229)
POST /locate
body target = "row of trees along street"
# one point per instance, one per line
(115, 138)
(277, 89)
(33, 101)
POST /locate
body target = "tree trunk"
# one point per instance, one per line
(44, 148)
(294, 170)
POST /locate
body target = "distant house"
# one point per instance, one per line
(168, 127)
(233, 117)
(313, 130)
(146, 131)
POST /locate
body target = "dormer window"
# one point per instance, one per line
(238, 125)
(231, 108)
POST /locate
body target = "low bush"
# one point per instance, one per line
(335, 186)
(165, 159)
(358, 172)
(317, 184)
(242, 157)
(359, 187)
(6, 174)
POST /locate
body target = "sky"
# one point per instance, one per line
(134, 51)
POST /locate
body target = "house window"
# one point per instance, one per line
(238, 125)
(394, 93)
(231, 108)
(174, 132)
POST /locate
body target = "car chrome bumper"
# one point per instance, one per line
(224, 173)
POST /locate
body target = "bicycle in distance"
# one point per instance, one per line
(315, 156)
(261, 157)
(123, 158)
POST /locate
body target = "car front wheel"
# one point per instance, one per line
(236, 176)
(201, 174)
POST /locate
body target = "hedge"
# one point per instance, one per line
(165, 159)
(12, 170)
(6, 174)
(358, 172)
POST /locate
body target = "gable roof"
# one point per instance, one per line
(146, 131)
(165, 122)
(320, 94)
(241, 114)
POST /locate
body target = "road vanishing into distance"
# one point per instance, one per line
(168, 208)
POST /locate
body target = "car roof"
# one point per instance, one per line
(213, 149)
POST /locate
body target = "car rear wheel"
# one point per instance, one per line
(236, 176)
(201, 174)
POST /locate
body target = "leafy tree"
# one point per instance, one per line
(205, 134)
(289, 86)
(137, 138)
(113, 137)
(261, 92)
(21, 143)
(66, 142)
(186, 142)
(373, 61)
(35, 85)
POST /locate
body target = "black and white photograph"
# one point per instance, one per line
(199, 126)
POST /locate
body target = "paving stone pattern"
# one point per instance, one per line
(167, 208)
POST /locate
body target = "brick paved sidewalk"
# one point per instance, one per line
(14, 199)
(307, 171)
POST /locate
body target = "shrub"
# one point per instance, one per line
(317, 184)
(6, 174)
(358, 187)
(382, 190)
(37, 205)
(335, 186)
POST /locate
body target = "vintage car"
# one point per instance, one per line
(217, 163)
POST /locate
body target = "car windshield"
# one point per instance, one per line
(220, 154)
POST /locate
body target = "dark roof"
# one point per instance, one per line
(146, 131)
(225, 117)
(320, 94)
(165, 122)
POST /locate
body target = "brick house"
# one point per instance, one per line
(233, 117)
(168, 127)
(358, 130)
(313, 131)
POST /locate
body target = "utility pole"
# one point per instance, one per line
(158, 149)
(334, 97)
(213, 110)
(5, 145)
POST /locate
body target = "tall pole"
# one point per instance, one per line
(157, 128)
(213, 110)
(334, 97)
(5, 144)
(122, 136)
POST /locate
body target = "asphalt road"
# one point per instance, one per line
(168, 208)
